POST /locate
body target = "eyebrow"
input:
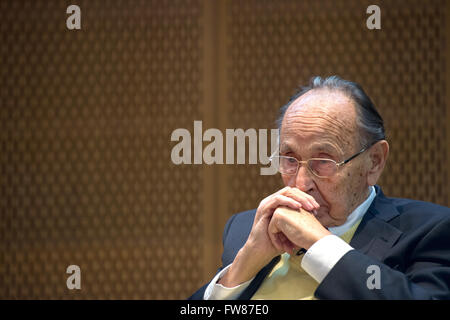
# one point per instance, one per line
(324, 147)
(315, 147)
(285, 147)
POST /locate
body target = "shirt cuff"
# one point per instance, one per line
(216, 291)
(322, 256)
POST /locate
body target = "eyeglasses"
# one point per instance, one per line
(320, 167)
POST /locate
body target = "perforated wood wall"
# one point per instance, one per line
(86, 118)
(87, 179)
(275, 46)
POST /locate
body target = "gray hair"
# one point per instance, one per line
(368, 120)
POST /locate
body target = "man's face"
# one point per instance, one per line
(322, 124)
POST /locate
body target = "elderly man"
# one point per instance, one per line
(331, 233)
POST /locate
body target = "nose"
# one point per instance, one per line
(304, 180)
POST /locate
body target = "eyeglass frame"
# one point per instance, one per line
(338, 164)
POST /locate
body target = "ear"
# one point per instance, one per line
(378, 155)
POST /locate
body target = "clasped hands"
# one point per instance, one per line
(284, 222)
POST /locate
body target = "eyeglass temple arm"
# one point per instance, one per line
(352, 157)
(355, 155)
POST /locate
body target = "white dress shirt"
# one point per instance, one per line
(320, 258)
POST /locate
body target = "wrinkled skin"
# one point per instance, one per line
(319, 124)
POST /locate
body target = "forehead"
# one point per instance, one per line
(320, 119)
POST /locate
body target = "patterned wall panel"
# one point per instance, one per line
(276, 46)
(86, 117)
(86, 175)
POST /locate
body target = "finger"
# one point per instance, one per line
(301, 197)
(279, 240)
(270, 203)
(265, 210)
(274, 235)
(297, 193)
(276, 241)
(281, 200)
(286, 244)
(303, 201)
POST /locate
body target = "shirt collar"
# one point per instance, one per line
(356, 215)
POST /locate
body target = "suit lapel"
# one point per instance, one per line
(259, 278)
(375, 236)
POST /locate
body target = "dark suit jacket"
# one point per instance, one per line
(409, 240)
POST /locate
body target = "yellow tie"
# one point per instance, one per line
(288, 280)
